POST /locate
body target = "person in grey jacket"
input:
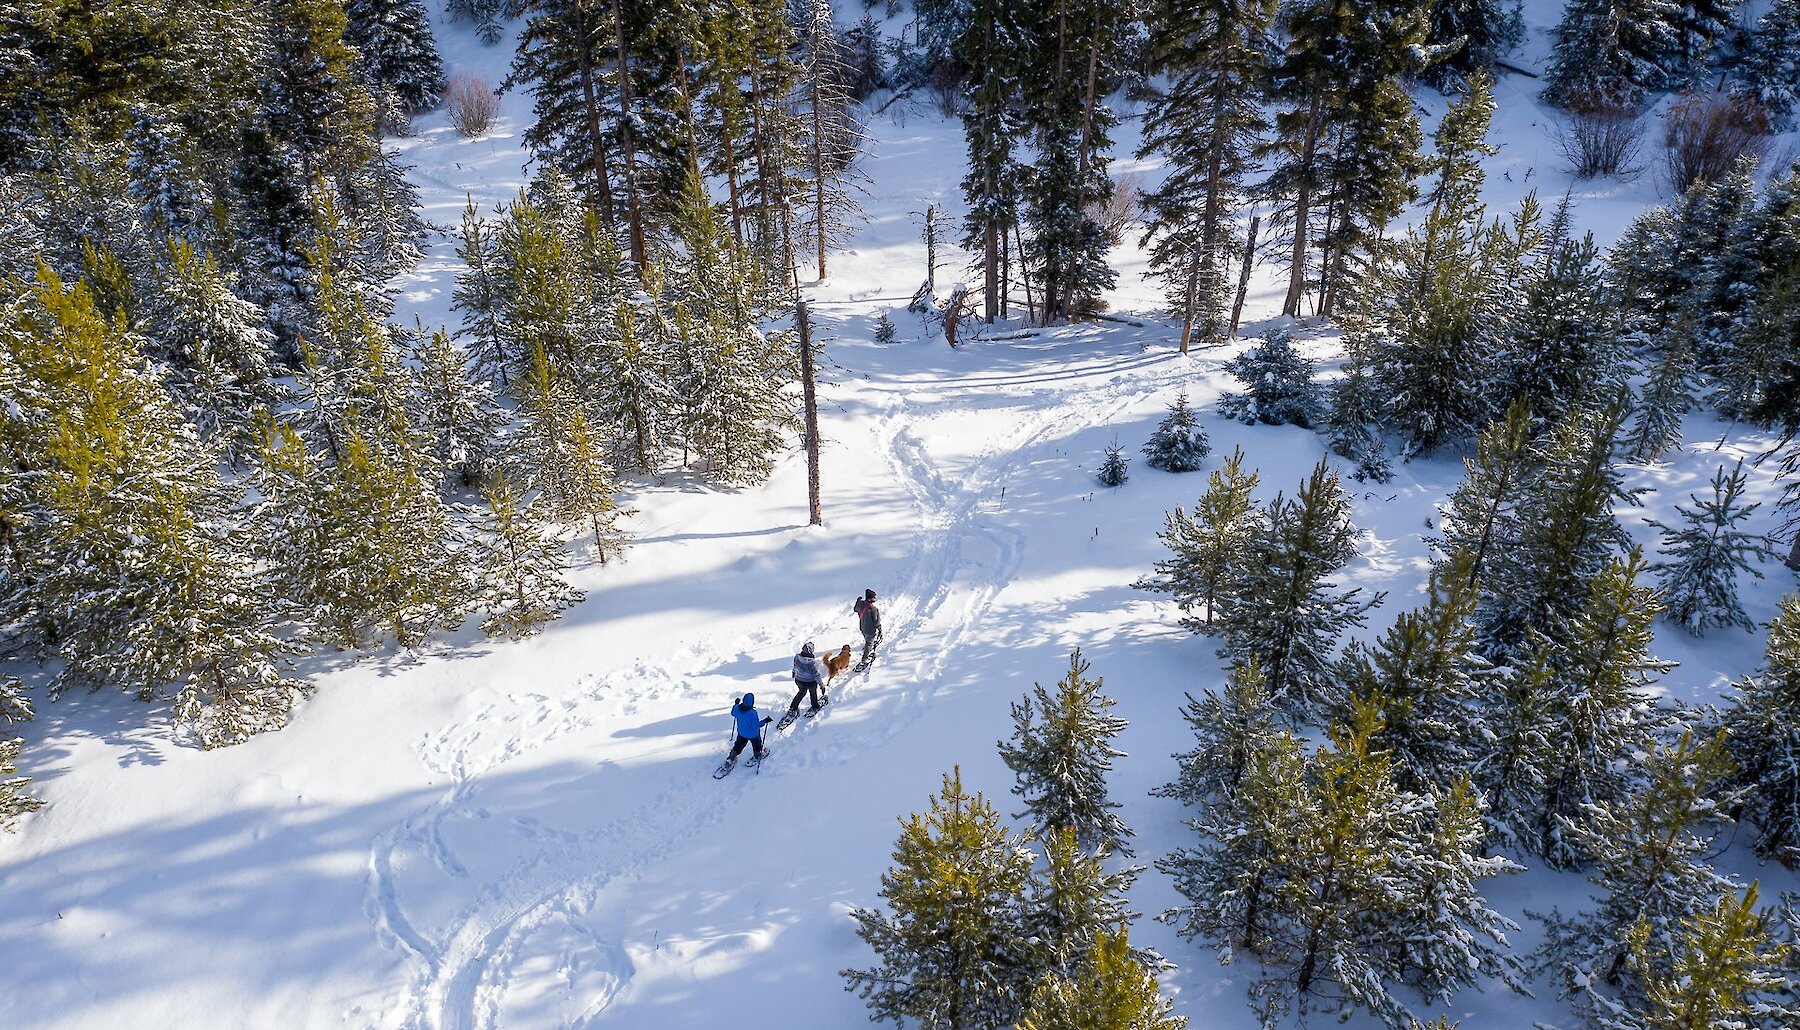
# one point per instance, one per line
(868, 619)
(809, 676)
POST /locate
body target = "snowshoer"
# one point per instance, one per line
(868, 619)
(809, 676)
(749, 728)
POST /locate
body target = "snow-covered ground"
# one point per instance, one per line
(496, 834)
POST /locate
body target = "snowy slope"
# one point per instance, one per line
(485, 834)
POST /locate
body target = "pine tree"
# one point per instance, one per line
(458, 415)
(884, 329)
(1706, 555)
(1723, 965)
(1480, 518)
(1060, 751)
(1354, 416)
(1110, 990)
(1772, 60)
(1612, 52)
(1281, 390)
(1764, 737)
(832, 135)
(479, 295)
(1229, 729)
(1475, 34)
(950, 949)
(1203, 125)
(14, 802)
(521, 565)
(1668, 395)
(560, 455)
(1287, 615)
(314, 102)
(1565, 351)
(396, 54)
(993, 44)
(129, 537)
(1649, 852)
(1210, 550)
(1072, 900)
(1179, 444)
(486, 15)
(1113, 471)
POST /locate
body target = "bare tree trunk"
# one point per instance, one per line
(1187, 307)
(1024, 273)
(1005, 273)
(818, 169)
(762, 150)
(1087, 104)
(687, 110)
(626, 132)
(1243, 290)
(1302, 211)
(731, 188)
(585, 63)
(990, 261)
(1793, 558)
(815, 511)
(931, 248)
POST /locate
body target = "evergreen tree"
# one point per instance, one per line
(1060, 751)
(1772, 60)
(1110, 990)
(1281, 390)
(1649, 852)
(561, 457)
(1287, 616)
(1473, 35)
(396, 54)
(458, 415)
(1354, 417)
(1210, 550)
(1764, 737)
(1613, 52)
(1113, 471)
(884, 329)
(521, 565)
(1481, 518)
(480, 296)
(1179, 444)
(832, 134)
(128, 535)
(1229, 729)
(1072, 901)
(486, 15)
(1565, 351)
(1723, 966)
(1706, 555)
(1668, 395)
(993, 44)
(1215, 54)
(14, 802)
(950, 949)
(314, 102)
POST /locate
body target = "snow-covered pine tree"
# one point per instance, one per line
(1706, 555)
(1764, 737)
(1211, 549)
(1111, 989)
(1442, 936)
(1668, 395)
(166, 177)
(1287, 616)
(1565, 350)
(1725, 968)
(277, 228)
(546, 301)
(1428, 675)
(383, 210)
(1113, 470)
(992, 44)
(520, 583)
(127, 535)
(1281, 390)
(561, 455)
(14, 801)
(457, 414)
(1480, 516)
(1071, 900)
(1592, 670)
(217, 346)
(396, 54)
(832, 134)
(1649, 852)
(1229, 728)
(1772, 60)
(479, 296)
(1075, 63)
(1356, 411)
(1203, 124)
(884, 329)
(488, 17)
(1060, 752)
(1613, 52)
(1179, 444)
(1566, 533)
(314, 101)
(1749, 290)
(1472, 35)
(951, 948)
(866, 56)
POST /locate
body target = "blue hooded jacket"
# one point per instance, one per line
(749, 724)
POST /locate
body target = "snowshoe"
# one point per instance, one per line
(724, 768)
(787, 720)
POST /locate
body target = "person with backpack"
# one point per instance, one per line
(749, 728)
(868, 619)
(809, 676)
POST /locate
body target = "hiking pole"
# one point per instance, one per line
(765, 725)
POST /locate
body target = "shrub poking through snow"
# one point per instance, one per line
(471, 102)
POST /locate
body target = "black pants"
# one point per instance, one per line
(754, 742)
(806, 687)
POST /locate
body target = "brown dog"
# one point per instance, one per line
(836, 662)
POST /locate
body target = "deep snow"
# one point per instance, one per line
(485, 833)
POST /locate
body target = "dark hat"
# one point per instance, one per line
(806, 649)
(869, 593)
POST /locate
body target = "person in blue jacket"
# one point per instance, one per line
(749, 727)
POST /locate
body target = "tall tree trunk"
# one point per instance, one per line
(818, 166)
(815, 513)
(990, 262)
(1302, 211)
(731, 187)
(1024, 272)
(1087, 103)
(585, 64)
(766, 213)
(1188, 302)
(1243, 289)
(626, 133)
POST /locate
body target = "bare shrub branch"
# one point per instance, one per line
(1601, 136)
(1705, 134)
(471, 102)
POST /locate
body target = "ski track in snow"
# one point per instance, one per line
(525, 930)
